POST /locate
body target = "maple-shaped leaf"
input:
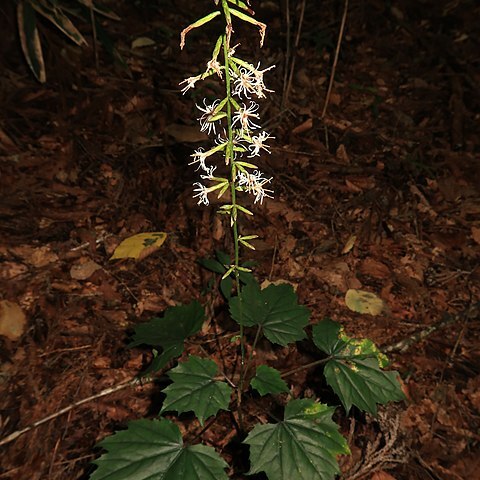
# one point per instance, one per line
(355, 369)
(169, 332)
(274, 308)
(194, 388)
(268, 380)
(302, 447)
(154, 450)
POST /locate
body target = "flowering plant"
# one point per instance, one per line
(306, 443)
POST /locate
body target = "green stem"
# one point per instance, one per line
(229, 153)
(254, 346)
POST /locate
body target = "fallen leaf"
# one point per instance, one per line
(12, 320)
(139, 246)
(11, 270)
(350, 244)
(381, 475)
(141, 42)
(83, 271)
(364, 302)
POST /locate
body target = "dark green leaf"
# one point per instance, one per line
(362, 383)
(275, 309)
(268, 380)
(170, 331)
(212, 265)
(154, 450)
(194, 388)
(226, 287)
(354, 372)
(302, 447)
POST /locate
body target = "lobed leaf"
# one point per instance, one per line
(194, 388)
(275, 309)
(302, 447)
(169, 332)
(354, 371)
(154, 450)
(268, 380)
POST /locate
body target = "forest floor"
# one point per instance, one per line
(381, 194)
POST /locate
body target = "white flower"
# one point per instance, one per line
(214, 65)
(209, 175)
(200, 156)
(260, 86)
(244, 117)
(254, 183)
(190, 83)
(258, 144)
(206, 125)
(245, 83)
(202, 194)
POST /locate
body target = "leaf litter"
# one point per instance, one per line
(388, 168)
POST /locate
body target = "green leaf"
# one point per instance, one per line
(302, 447)
(154, 450)
(212, 265)
(194, 388)
(354, 372)
(275, 309)
(169, 332)
(226, 286)
(268, 380)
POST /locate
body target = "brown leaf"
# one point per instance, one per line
(12, 320)
(84, 270)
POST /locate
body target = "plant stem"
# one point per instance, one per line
(229, 155)
(254, 345)
(304, 367)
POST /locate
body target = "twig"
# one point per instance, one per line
(286, 92)
(287, 53)
(471, 312)
(406, 343)
(335, 60)
(129, 383)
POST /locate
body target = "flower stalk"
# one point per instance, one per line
(234, 120)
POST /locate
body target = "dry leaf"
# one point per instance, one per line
(83, 271)
(364, 302)
(349, 245)
(12, 320)
(139, 246)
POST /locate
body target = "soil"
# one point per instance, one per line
(379, 193)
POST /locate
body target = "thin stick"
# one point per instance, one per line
(294, 56)
(471, 312)
(287, 53)
(335, 60)
(103, 393)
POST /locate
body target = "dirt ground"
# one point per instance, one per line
(381, 193)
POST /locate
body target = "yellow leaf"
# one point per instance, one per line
(139, 246)
(364, 302)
